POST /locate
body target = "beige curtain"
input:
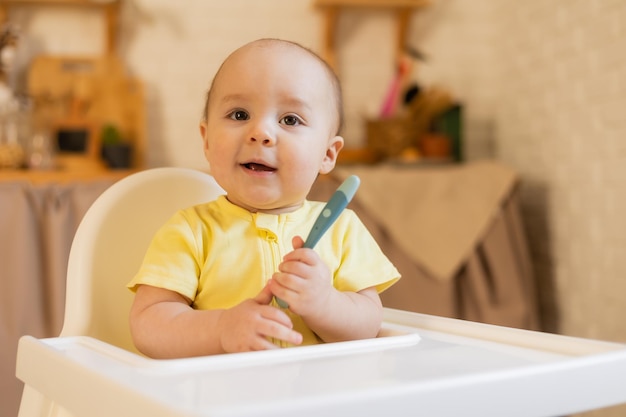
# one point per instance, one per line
(37, 225)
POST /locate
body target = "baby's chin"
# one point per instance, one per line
(272, 207)
(280, 209)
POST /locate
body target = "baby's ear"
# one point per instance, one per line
(205, 143)
(332, 152)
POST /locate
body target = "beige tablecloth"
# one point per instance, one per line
(37, 224)
(454, 232)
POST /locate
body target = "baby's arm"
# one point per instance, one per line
(164, 325)
(347, 316)
(304, 282)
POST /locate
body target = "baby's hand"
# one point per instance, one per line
(303, 280)
(248, 325)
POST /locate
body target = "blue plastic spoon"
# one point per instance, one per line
(329, 214)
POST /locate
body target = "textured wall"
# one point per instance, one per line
(561, 123)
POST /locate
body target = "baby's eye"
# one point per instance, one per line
(239, 115)
(291, 120)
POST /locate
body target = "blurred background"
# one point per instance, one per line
(542, 86)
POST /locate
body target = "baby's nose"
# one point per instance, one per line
(263, 139)
(262, 133)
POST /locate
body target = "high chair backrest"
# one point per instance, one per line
(110, 243)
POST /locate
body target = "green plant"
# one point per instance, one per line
(111, 135)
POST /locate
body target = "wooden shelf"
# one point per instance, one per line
(63, 176)
(110, 8)
(332, 9)
(86, 92)
(373, 3)
(61, 2)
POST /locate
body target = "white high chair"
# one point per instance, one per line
(108, 248)
(425, 365)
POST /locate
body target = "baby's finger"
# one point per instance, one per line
(262, 343)
(305, 255)
(297, 242)
(265, 296)
(285, 334)
(276, 315)
(282, 290)
(292, 337)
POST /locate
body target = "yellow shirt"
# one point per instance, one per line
(219, 254)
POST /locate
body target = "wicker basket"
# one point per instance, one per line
(389, 137)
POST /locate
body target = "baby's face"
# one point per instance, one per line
(270, 126)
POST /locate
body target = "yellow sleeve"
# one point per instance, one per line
(363, 264)
(172, 260)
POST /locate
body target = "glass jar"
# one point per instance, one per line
(41, 151)
(12, 125)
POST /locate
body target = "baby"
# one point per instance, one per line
(211, 275)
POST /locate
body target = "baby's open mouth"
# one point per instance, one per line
(258, 167)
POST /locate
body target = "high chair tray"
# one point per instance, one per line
(424, 365)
